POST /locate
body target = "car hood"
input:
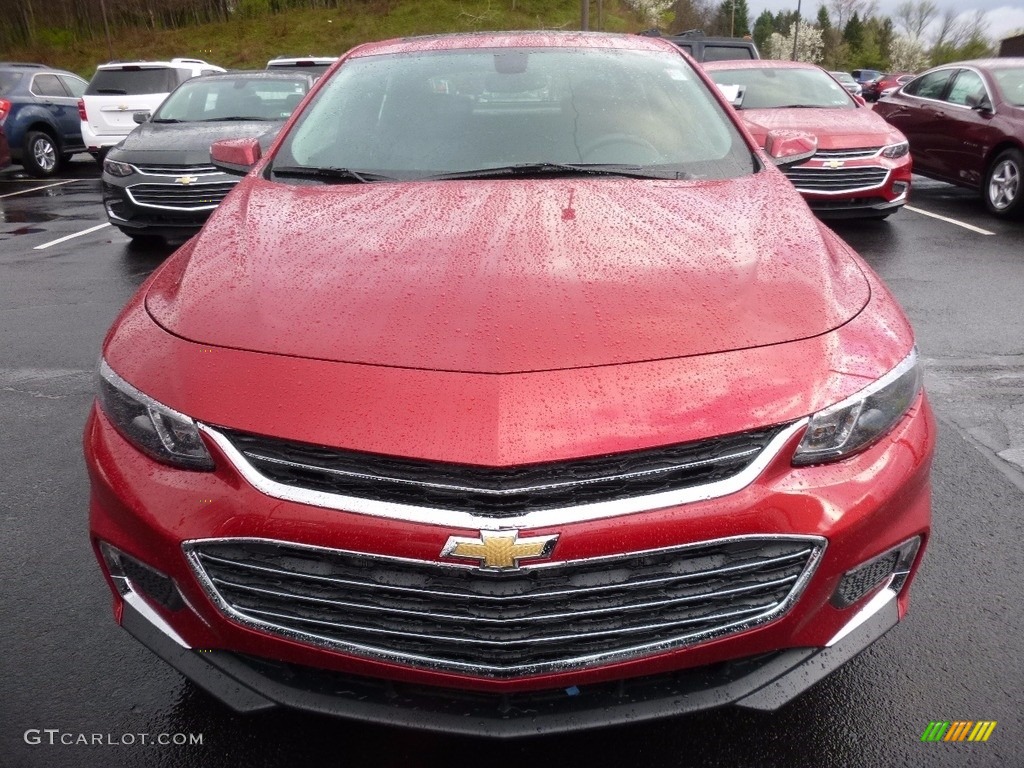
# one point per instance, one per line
(835, 128)
(508, 276)
(191, 141)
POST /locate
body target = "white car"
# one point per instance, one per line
(118, 91)
(314, 65)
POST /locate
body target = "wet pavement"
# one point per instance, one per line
(67, 671)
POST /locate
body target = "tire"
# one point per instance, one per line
(41, 156)
(1003, 190)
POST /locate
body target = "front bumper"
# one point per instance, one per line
(766, 682)
(127, 214)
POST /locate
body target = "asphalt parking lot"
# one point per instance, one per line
(65, 666)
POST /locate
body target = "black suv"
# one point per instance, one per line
(39, 114)
(703, 48)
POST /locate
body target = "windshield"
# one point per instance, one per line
(843, 77)
(765, 88)
(1011, 83)
(232, 98)
(410, 116)
(133, 80)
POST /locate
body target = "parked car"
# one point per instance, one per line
(865, 76)
(119, 90)
(873, 91)
(703, 48)
(965, 124)
(159, 181)
(5, 151)
(862, 165)
(846, 80)
(38, 112)
(314, 65)
(501, 397)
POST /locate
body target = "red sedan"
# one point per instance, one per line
(522, 399)
(862, 168)
(965, 123)
(877, 87)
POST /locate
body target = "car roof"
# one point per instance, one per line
(759, 64)
(1007, 62)
(175, 63)
(523, 39)
(300, 60)
(254, 74)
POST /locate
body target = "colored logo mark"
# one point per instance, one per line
(958, 730)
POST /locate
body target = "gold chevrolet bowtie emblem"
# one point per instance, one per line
(499, 550)
(186, 180)
(834, 163)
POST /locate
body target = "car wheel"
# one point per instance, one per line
(1004, 185)
(41, 156)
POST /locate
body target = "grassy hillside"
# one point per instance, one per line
(248, 42)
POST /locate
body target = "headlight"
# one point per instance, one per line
(158, 431)
(850, 426)
(114, 168)
(896, 150)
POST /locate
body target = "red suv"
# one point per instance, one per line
(519, 400)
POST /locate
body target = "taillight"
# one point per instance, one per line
(5, 107)
(81, 111)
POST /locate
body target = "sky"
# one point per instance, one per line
(1003, 18)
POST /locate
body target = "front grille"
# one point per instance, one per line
(534, 619)
(190, 197)
(856, 153)
(501, 491)
(173, 170)
(836, 179)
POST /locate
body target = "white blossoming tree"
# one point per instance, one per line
(907, 55)
(651, 10)
(809, 44)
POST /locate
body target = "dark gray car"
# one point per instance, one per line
(159, 181)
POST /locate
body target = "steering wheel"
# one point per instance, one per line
(648, 152)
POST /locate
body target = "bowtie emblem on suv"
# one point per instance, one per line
(499, 550)
(186, 180)
(834, 163)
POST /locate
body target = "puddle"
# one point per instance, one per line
(25, 231)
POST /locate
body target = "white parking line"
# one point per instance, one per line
(963, 224)
(36, 189)
(71, 237)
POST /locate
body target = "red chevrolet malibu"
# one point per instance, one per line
(862, 167)
(514, 390)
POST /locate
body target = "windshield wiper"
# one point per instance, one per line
(165, 120)
(804, 106)
(546, 169)
(236, 117)
(112, 91)
(329, 174)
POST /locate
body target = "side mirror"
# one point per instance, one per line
(141, 117)
(235, 156)
(860, 100)
(789, 148)
(979, 103)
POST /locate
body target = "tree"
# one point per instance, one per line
(915, 17)
(809, 44)
(844, 9)
(824, 22)
(853, 33)
(690, 14)
(763, 28)
(732, 19)
(906, 54)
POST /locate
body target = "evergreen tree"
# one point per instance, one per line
(853, 34)
(763, 28)
(824, 23)
(732, 18)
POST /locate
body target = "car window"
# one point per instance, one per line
(48, 85)
(727, 52)
(414, 115)
(930, 85)
(76, 86)
(132, 80)
(227, 98)
(967, 90)
(8, 81)
(1011, 83)
(768, 88)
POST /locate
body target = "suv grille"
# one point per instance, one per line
(191, 197)
(173, 170)
(836, 179)
(506, 491)
(534, 619)
(856, 153)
